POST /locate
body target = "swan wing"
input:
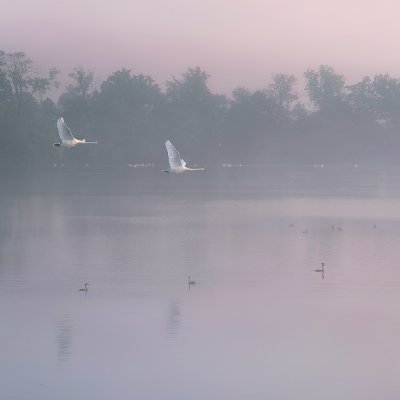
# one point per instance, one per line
(63, 130)
(174, 158)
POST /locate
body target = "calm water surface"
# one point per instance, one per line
(258, 324)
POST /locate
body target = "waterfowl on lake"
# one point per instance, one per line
(85, 288)
(191, 282)
(322, 269)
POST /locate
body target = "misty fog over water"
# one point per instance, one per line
(271, 274)
(259, 322)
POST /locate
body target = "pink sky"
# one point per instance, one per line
(240, 43)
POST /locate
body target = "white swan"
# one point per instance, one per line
(176, 163)
(67, 139)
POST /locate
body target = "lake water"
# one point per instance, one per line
(258, 324)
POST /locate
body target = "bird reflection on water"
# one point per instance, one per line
(64, 339)
(173, 320)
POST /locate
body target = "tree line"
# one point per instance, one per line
(132, 116)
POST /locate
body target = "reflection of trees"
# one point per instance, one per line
(11, 234)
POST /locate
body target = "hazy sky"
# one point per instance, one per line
(239, 42)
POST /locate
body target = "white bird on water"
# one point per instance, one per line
(176, 163)
(67, 139)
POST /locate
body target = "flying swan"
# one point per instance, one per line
(67, 140)
(176, 163)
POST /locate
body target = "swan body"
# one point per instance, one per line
(67, 139)
(176, 164)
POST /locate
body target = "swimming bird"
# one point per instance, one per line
(322, 269)
(85, 289)
(176, 164)
(67, 139)
(191, 282)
